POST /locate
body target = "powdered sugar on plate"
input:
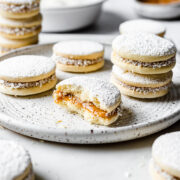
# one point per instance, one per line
(107, 94)
(14, 160)
(26, 66)
(143, 44)
(78, 47)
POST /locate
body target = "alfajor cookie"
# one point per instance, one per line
(20, 28)
(7, 45)
(19, 9)
(15, 162)
(98, 101)
(143, 53)
(26, 75)
(142, 25)
(139, 85)
(78, 56)
(165, 164)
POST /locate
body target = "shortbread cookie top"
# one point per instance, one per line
(144, 47)
(14, 160)
(26, 68)
(80, 47)
(166, 153)
(36, 20)
(140, 79)
(106, 93)
(18, 1)
(142, 25)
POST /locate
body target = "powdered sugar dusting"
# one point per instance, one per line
(18, 1)
(166, 150)
(26, 66)
(78, 47)
(14, 160)
(107, 94)
(142, 25)
(142, 79)
(20, 8)
(143, 44)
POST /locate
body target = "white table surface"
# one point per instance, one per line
(127, 160)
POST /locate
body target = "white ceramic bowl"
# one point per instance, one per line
(70, 18)
(157, 11)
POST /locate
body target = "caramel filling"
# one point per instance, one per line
(89, 106)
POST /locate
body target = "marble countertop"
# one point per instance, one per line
(127, 160)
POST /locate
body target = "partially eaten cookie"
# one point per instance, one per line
(98, 101)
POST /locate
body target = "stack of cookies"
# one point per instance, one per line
(142, 64)
(20, 23)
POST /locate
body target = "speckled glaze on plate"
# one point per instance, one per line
(39, 117)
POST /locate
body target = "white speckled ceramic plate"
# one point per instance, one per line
(37, 116)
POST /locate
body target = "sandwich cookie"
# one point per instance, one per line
(98, 101)
(15, 162)
(20, 28)
(142, 25)
(7, 45)
(19, 9)
(165, 164)
(139, 85)
(78, 56)
(26, 75)
(143, 53)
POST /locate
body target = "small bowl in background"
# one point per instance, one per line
(64, 19)
(157, 11)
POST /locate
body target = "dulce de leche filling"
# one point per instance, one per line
(89, 106)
